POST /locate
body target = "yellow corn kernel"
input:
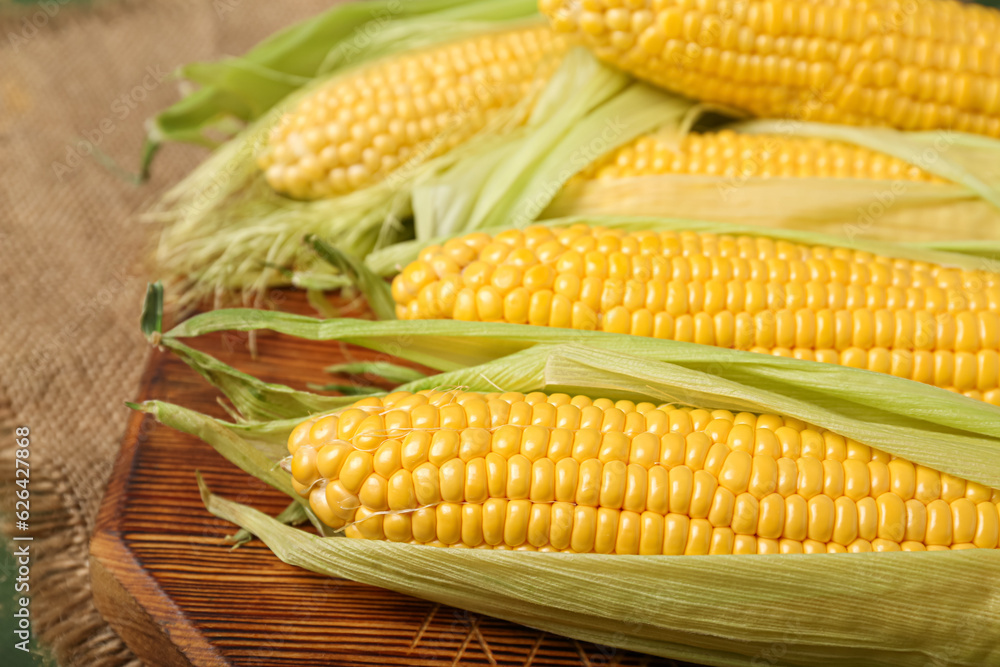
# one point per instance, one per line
(939, 524)
(397, 527)
(627, 539)
(423, 524)
(987, 526)
(449, 523)
(452, 480)
(675, 534)
(584, 529)
(736, 471)
(606, 535)
(304, 465)
(964, 517)
(681, 486)
(561, 525)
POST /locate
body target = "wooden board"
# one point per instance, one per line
(171, 587)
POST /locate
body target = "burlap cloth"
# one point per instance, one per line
(71, 282)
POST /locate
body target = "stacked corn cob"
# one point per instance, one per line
(935, 65)
(542, 472)
(928, 323)
(730, 154)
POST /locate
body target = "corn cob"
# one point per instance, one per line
(933, 65)
(730, 154)
(928, 323)
(358, 129)
(547, 473)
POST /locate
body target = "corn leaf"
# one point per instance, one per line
(151, 319)
(317, 299)
(846, 208)
(390, 372)
(968, 207)
(374, 288)
(988, 250)
(261, 463)
(966, 159)
(253, 399)
(268, 436)
(292, 515)
(346, 389)
(248, 455)
(587, 110)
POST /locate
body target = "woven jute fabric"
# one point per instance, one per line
(77, 83)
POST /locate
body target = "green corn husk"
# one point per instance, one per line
(987, 250)
(968, 207)
(379, 300)
(393, 373)
(293, 515)
(827, 609)
(511, 184)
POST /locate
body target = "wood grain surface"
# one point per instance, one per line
(169, 584)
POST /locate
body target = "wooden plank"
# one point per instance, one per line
(172, 588)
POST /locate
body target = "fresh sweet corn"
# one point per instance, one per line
(358, 129)
(928, 65)
(542, 472)
(932, 324)
(733, 155)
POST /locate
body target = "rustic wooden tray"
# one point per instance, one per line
(166, 580)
